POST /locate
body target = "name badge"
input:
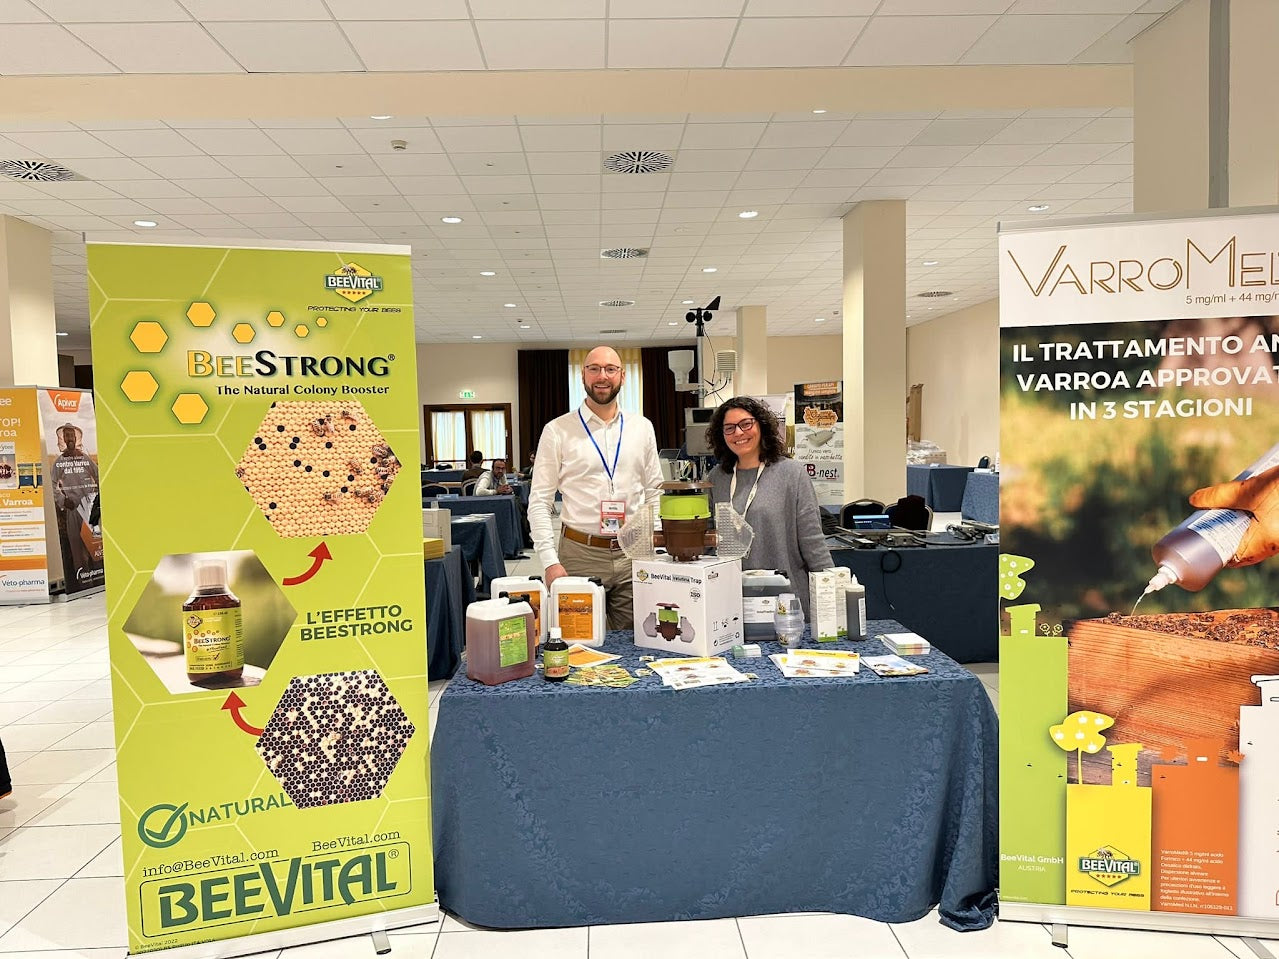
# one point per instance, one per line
(612, 516)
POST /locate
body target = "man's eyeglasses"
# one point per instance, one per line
(594, 369)
(744, 426)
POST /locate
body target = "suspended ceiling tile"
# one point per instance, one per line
(213, 10)
(1039, 38)
(643, 44)
(781, 42)
(157, 47)
(427, 45)
(542, 44)
(913, 40)
(291, 47)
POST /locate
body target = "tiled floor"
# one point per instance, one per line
(62, 888)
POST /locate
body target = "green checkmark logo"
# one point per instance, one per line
(163, 825)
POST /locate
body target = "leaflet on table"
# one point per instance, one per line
(893, 666)
(581, 656)
(614, 677)
(906, 644)
(817, 663)
(691, 672)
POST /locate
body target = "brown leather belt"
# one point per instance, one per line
(586, 539)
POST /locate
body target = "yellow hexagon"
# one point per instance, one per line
(321, 321)
(190, 408)
(200, 314)
(139, 386)
(302, 329)
(243, 333)
(149, 337)
(275, 318)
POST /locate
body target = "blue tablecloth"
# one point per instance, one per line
(949, 594)
(981, 498)
(941, 486)
(449, 590)
(509, 530)
(557, 805)
(477, 535)
(442, 476)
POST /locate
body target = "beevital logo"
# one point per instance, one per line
(642, 576)
(353, 282)
(1109, 866)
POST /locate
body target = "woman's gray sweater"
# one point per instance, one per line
(786, 520)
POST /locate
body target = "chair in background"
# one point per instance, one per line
(911, 512)
(983, 463)
(443, 466)
(434, 489)
(468, 487)
(859, 507)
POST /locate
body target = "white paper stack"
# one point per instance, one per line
(816, 663)
(906, 644)
(689, 672)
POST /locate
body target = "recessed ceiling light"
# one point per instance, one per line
(819, 111)
(525, 326)
(146, 223)
(476, 336)
(63, 334)
(672, 322)
(686, 302)
(509, 306)
(380, 116)
(930, 262)
(748, 214)
(450, 219)
(487, 273)
(819, 319)
(1038, 208)
(710, 269)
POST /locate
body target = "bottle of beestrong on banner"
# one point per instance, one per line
(1197, 549)
(212, 628)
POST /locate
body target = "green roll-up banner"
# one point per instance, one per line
(259, 448)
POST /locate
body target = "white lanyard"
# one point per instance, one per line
(750, 497)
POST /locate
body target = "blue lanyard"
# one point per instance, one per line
(621, 420)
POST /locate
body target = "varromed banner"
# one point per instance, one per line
(257, 423)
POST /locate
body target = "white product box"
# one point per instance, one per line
(826, 603)
(437, 523)
(693, 608)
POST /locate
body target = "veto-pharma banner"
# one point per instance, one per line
(69, 431)
(1139, 513)
(24, 569)
(819, 437)
(258, 428)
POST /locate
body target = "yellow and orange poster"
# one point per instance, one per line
(24, 566)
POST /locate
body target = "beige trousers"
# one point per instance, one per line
(612, 568)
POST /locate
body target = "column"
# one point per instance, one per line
(28, 333)
(752, 351)
(875, 350)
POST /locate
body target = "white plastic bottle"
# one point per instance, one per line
(1197, 549)
(788, 621)
(578, 611)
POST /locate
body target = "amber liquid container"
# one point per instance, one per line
(212, 630)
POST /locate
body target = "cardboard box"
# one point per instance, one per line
(693, 609)
(826, 603)
(436, 524)
(432, 547)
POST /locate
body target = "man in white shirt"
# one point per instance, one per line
(492, 482)
(604, 463)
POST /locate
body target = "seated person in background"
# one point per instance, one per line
(771, 491)
(528, 471)
(494, 481)
(475, 468)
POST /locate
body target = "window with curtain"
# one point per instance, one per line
(448, 437)
(631, 399)
(488, 433)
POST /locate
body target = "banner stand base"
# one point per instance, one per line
(1240, 926)
(375, 925)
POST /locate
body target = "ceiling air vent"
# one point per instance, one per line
(35, 170)
(935, 294)
(624, 253)
(610, 332)
(638, 161)
(617, 303)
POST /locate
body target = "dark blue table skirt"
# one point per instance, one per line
(442, 476)
(503, 507)
(981, 498)
(557, 805)
(477, 535)
(941, 486)
(449, 590)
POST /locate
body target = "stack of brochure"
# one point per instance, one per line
(892, 666)
(689, 672)
(906, 644)
(816, 663)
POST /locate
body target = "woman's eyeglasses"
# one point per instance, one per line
(594, 369)
(744, 426)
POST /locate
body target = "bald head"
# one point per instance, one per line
(602, 376)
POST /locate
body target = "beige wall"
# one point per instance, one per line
(956, 357)
(443, 369)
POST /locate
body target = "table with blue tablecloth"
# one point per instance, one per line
(476, 533)
(449, 590)
(981, 498)
(941, 486)
(559, 805)
(947, 592)
(509, 528)
(442, 476)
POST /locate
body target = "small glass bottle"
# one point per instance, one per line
(555, 657)
(212, 628)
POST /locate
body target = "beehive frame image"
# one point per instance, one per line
(335, 738)
(318, 468)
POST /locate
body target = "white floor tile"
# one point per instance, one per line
(1237, 948)
(87, 804)
(432, 718)
(453, 923)
(99, 735)
(516, 944)
(1087, 942)
(984, 670)
(52, 852)
(818, 937)
(709, 939)
(63, 765)
(14, 713)
(98, 689)
(80, 670)
(105, 775)
(68, 711)
(20, 673)
(28, 801)
(42, 692)
(417, 942)
(113, 953)
(993, 693)
(19, 898)
(97, 906)
(109, 862)
(36, 737)
(416, 946)
(928, 939)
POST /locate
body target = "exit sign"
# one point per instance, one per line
(466, 394)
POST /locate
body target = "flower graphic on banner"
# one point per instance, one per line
(1080, 732)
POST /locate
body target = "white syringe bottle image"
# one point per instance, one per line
(1198, 548)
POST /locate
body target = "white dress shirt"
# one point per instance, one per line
(568, 461)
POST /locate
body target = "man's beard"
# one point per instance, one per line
(612, 394)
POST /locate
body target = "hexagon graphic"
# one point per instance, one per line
(275, 318)
(190, 631)
(335, 738)
(302, 329)
(321, 321)
(190, 408)
(200, 314)
(318, 469)
(148, 336)
(243, 333)
(139, 386)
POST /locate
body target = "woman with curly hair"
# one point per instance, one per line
(770, 490)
